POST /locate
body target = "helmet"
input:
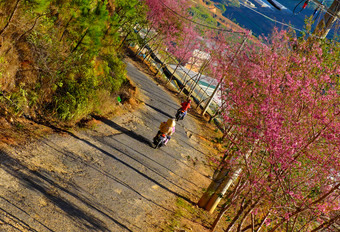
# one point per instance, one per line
(171, 122)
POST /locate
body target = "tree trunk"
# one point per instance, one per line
(218, 187)
(247, 213)
(66, 26)
(300, 210)
(237, 216)
(121, 44)
(262, 222)
(212, 188)
(199, 104)
(226, 206)
(221, 190)
(327, 224)
(172, 75)
(10, 17)
(152, 38)
(151, 50)
(223, 76)
(220, 215)
(194, 85)
(80, 41)
(163, 64)
(185, 81)
(252, 223)
(214, 116)
(226, 132)
(35, 23)
(200, 72)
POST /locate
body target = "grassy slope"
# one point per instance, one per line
(217, 15)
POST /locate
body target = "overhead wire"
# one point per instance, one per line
(276, 21)
(302, 8)
(203, 25)
(269, 18)
(327, 11)
(316, 13)
(284, 24)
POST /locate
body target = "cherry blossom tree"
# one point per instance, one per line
(165, 24)
(283, 108)
(183, 46)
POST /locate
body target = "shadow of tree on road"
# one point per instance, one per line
(126, 164)
(42, 181)
(139, 138)
(164, 166)
(131, 167)
(152, 169)
(107, 174)
(130, 133)
(160, 111)
(17, 220)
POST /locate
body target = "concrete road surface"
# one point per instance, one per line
(105, 179)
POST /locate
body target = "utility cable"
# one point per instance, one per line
(316, 12)
(203, 25)
(271, 19)
(326, 10)
(302, 8)
(287, 25)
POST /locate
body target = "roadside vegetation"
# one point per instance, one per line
(279, 115)
(280, 120)
(61, 60)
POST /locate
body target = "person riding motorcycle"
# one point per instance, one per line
(185, 106)
(167, 128)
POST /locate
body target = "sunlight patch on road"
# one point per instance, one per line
(119, 191)
(155, 187)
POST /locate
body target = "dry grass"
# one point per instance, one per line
(9, 64)
(19, 131)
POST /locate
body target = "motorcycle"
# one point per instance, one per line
(159, 140)
(180, 114)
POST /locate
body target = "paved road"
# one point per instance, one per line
(105, 179)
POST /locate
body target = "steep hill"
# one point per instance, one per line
(215, 17)
(261, 16)
(60, 62)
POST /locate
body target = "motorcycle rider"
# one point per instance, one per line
(167, 128)
(185, 106)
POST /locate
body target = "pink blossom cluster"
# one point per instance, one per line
(284, 93)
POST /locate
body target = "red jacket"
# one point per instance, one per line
(185, 106)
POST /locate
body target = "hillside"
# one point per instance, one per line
(64, 68)
(61, 62)
(217, 18)
(261, 19)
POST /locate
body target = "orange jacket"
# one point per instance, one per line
(185, 106)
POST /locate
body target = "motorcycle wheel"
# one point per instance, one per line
(158, 144)
(178, 117)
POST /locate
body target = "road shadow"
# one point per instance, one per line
(71, 155)
(160, 111)
(131, 167)
(152, 169)
(130, 133)
(43, 182)
(17, 220)
(162, 165)
(121, 182)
